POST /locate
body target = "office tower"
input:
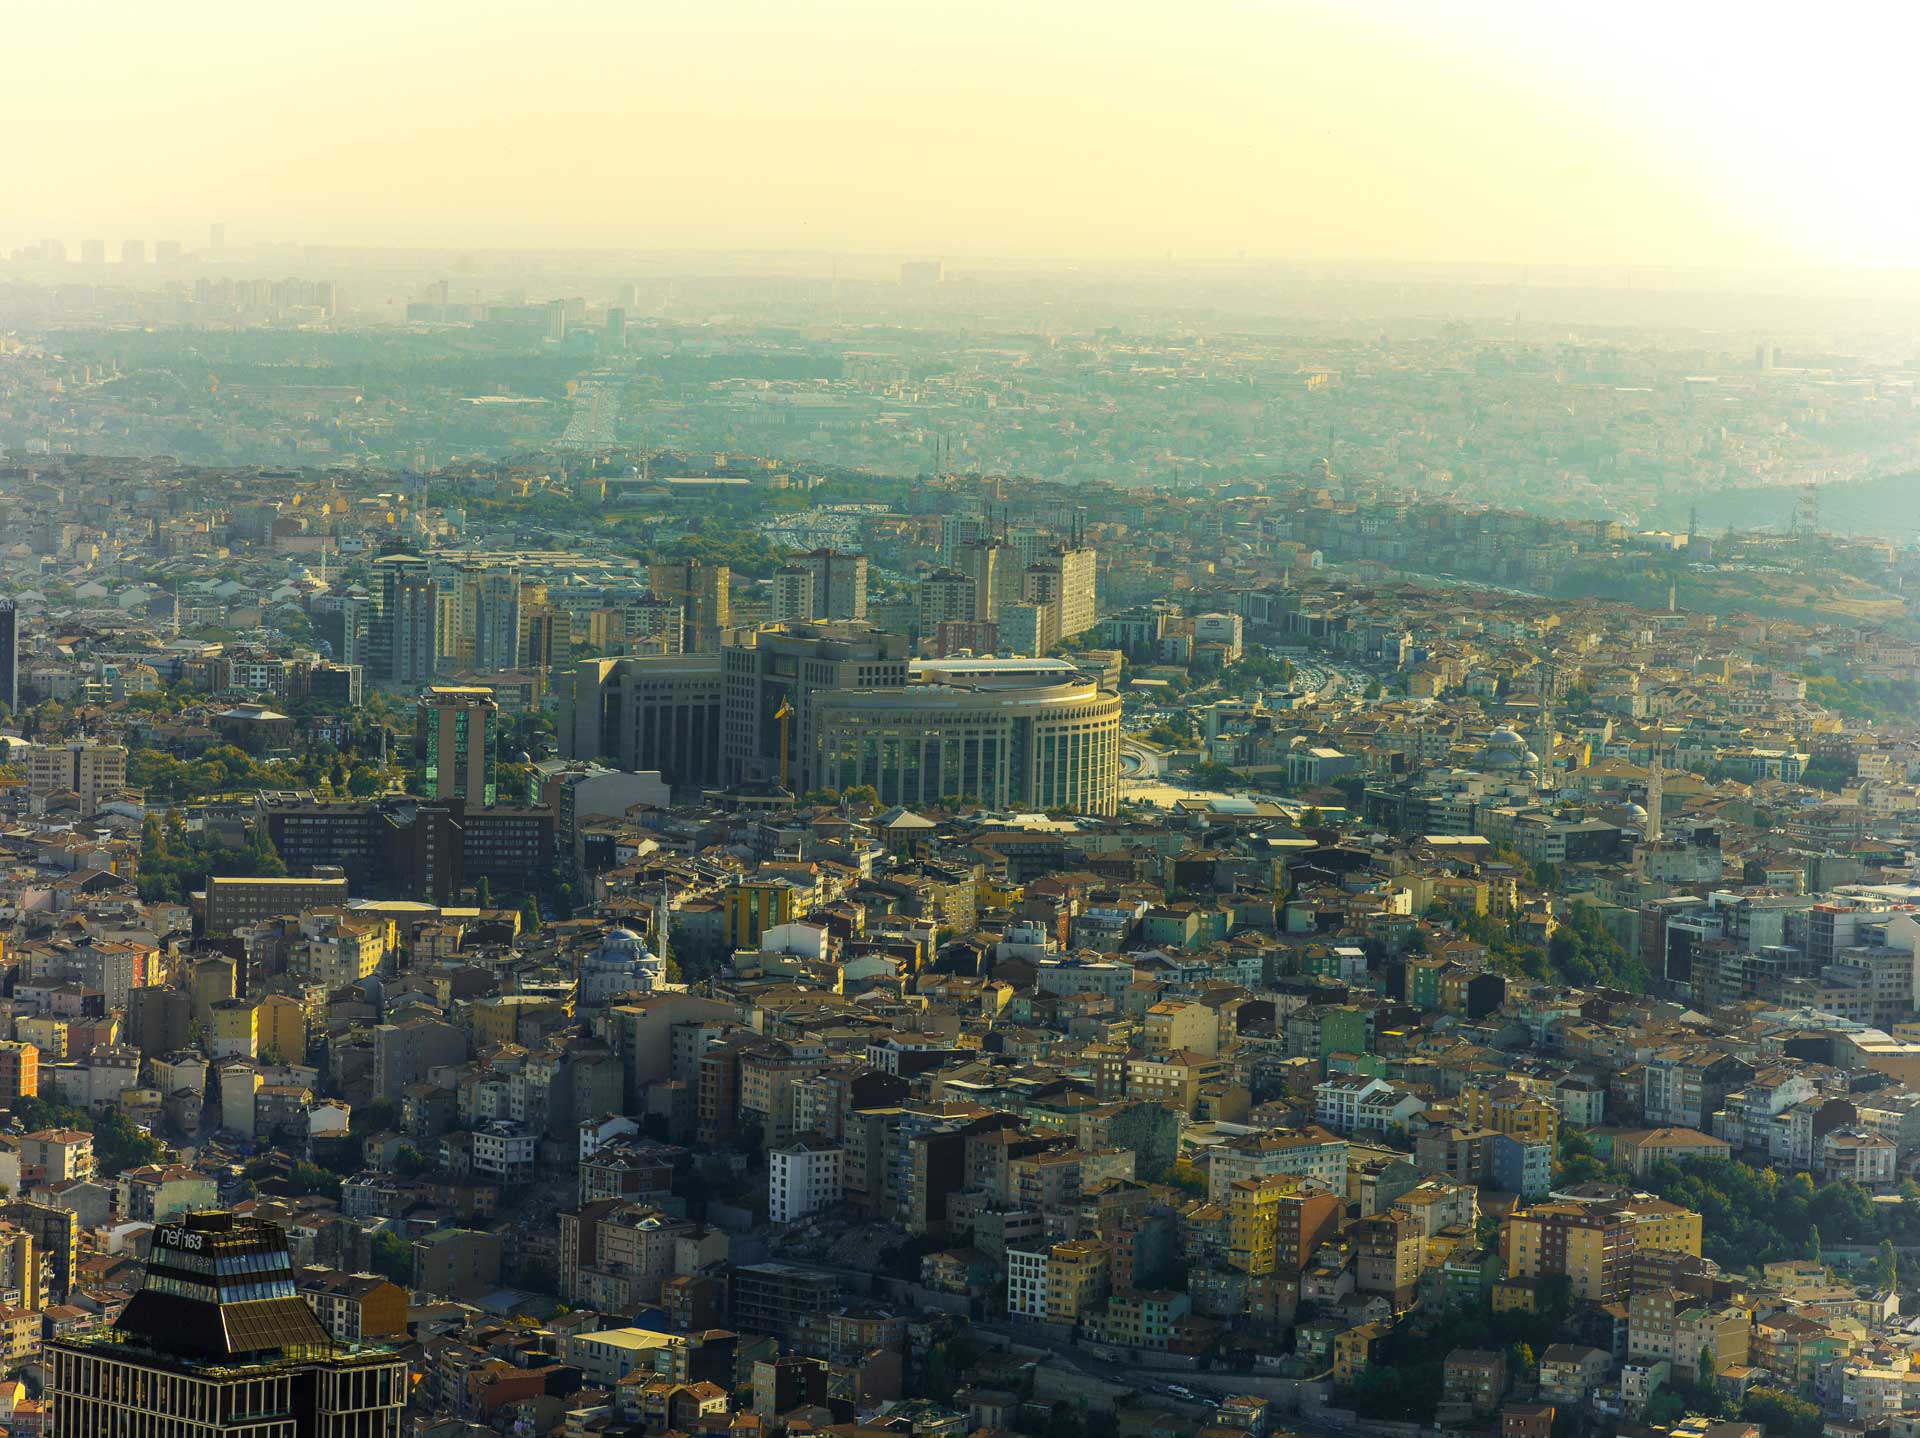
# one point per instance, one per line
(406, 625)
(494, 620)
(701, 591)
(10, 655)
(133, 252)
(93, 252)
(616, 328)
(1065, 579)
(166, 251)
(217, 236)
(546, 636)
(457, 734)
(1020, 733)
(92, 770)
(793, 593)
(944, 596)
(448, 634)
(647, 712)
(556, 320)
(960, 529)
(772, 676)
(478, 614)
(218, 1343)
(54, 251)
(532, 608)
(839, 584)
(357, 611)
(919, 274)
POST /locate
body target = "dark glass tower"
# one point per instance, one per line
(218, 1343)
(9, 656)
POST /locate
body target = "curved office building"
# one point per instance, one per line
(1039, 740)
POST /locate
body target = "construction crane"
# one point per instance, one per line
(781, 716)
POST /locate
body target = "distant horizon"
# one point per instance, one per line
(1519, 273)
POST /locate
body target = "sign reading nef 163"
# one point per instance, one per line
(179, 1238)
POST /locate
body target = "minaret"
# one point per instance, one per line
(660, 925)
(1545, 740)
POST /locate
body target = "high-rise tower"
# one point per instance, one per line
(218, 1343)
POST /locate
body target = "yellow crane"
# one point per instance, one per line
(781, 716)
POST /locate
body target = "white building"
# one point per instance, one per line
(802, 1178)
(1336, 1102)
(1311, 1154)
(503, 1151)
(1026, 1283)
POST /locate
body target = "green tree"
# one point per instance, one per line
(120, 1144)
(392, 1258)
(376, 1115)
(1666, 1408)
(1783, 1414)
(1886, 1269)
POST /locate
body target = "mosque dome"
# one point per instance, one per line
(622, 959)
(1505, 749)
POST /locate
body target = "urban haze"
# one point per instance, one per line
(942, 721)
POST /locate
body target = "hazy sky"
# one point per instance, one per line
(1686, 132)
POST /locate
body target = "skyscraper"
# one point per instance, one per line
(406, 627)
(479, 618)
(701, 591)
(839, 584)
(218, 1343)
(9, 655)
(358, 613)
(457, 736)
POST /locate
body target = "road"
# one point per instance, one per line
(596, 409)
(1203, 1386)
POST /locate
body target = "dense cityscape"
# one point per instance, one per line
(798, 844)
